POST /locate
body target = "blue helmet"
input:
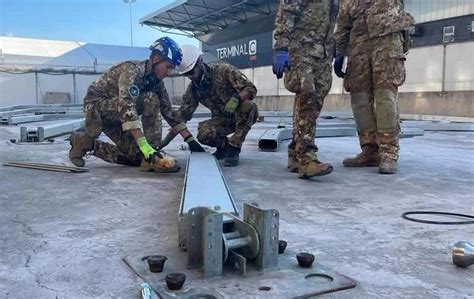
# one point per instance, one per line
(168, 50)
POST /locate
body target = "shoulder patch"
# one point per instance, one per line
(133, 91)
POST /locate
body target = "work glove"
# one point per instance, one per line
(148, 152)
(231, 106)
(338, 63)
(281, 61)
(168, 138)
(172, 134)
(194, 146)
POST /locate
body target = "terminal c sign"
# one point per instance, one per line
(242, 49)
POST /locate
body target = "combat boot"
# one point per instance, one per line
(293, 164)
(220, 152)
(231, 156)
(80, 145)
(388, 152)
(310, 166)
(164, 165)
(369, 156)
(388, 165)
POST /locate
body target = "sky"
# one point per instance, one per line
(90, 21)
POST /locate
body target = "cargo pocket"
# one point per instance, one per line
(397, 68)
(292, 80)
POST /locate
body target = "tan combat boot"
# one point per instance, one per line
(310, 166)
(293, 164)
(369, 156)
(80, 145)
(163, 165)
(388, 151)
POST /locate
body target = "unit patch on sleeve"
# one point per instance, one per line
(133, 91)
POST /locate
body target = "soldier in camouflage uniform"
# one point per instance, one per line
(114, 102)
(228, 94)
(304, 52)
(370, 34)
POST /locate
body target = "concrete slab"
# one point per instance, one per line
(64, 235)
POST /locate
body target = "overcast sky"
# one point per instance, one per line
(91, 21)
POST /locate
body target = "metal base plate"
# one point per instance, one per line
(287, 281)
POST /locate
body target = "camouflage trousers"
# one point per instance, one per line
(310, 78)
(374, 72)
(213, 132)
(101, 117)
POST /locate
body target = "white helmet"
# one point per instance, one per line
(191, 56)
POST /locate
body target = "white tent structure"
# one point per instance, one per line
(33, 71)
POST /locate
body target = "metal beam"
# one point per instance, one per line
(270, 140)
(204, 186)
(47, 167)
(20, 119)
(441, 126)
(38, 134)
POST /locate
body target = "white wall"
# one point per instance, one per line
(460, 67)
(82, 83)
(17, 89)
(424, 70)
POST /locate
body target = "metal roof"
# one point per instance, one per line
(198, 17)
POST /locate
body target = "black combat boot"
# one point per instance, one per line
(231, 156)
(220, 151)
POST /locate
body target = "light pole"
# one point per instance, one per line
(130, 2)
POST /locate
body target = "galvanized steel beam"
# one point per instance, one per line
(38, 134)
(20, 119)
(270, 140)
(204, 186)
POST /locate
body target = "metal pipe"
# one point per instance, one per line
(36, 88)
(74, 88)
(443, 83)
(232, 235)
(237, 243)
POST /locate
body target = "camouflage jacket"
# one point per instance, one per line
(132, 95)
(219, 83)
(306, 24)
(360, 20)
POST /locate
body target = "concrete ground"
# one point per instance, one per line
(64, 235)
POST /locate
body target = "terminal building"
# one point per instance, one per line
(440, 65)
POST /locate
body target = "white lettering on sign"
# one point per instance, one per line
(238, 50)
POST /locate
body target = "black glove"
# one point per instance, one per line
(194, 146)
(338, 63)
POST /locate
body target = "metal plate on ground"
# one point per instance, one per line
(288, 281)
